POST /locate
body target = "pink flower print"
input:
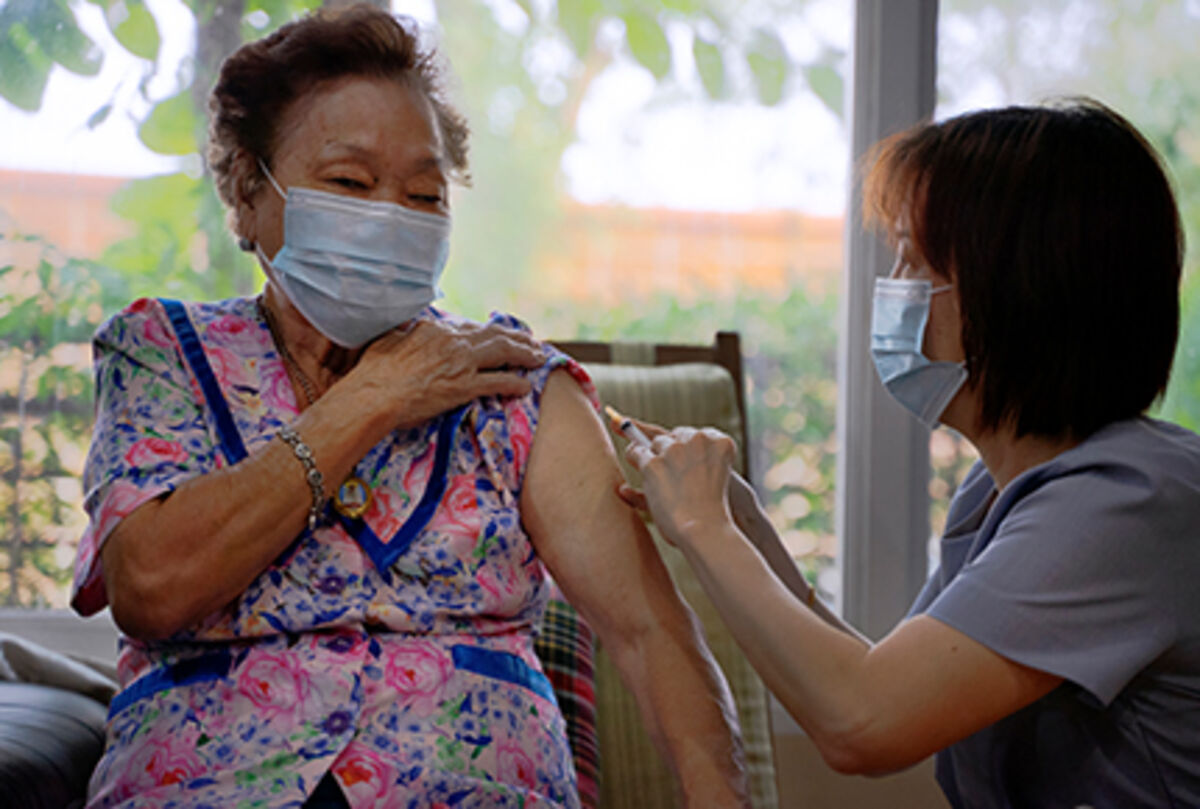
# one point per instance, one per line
(487, 579)
(334, 649)
(211, 704)
(130, 664)
(417, 476)
(236, 333)
(386, 513)
(584, 381)
(514, 766)
(498, 581)
(418, 671)
(167, 759)
(122, 499)
(229, 367)
(87, 586)
(89, 595)
(458, 514)
(276, 684)
(155, 451)
(275, 387)
(363, 774)
(520, 436)
(154, 332)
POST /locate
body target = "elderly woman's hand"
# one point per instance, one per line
(685, 478)
(416, 373)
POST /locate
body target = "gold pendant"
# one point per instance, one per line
(353, 498)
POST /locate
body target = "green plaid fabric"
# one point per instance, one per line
(565, 646)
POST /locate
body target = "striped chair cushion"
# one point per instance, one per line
(634, 775)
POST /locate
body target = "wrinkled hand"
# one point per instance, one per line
(685, 477)
(433, 366)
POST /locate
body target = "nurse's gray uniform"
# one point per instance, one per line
(1086, 567)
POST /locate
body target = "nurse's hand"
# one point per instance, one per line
(685, 477)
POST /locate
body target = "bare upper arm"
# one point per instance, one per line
(596, 547)
(923, 687)
(928, 686)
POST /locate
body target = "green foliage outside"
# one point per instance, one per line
(47, 316)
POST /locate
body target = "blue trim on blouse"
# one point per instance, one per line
(193, 352)
(502, 666)
(383, 554)
(212, 666)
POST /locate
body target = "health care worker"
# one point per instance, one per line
(1053, 659)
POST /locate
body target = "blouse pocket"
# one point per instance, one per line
(502, 666)
(213, 666)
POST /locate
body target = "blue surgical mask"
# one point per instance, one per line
(921, 386)
(357, 268)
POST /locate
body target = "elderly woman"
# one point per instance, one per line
(1053, 660)
(324, 517)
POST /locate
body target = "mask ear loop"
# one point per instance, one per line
(945, 288)
(245, 244)
(271, 177)
(263, 257)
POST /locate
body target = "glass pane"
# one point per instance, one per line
(1137, 56)
(654, 174)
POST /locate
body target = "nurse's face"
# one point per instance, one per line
(943, 334)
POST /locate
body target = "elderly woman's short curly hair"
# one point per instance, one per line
(260, 80)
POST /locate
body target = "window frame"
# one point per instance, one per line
(882, 499)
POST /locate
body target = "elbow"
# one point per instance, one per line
(144, 609)
(866, 748)
(138, 619)
(847, 758)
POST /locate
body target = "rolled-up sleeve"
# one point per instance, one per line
(522, 412)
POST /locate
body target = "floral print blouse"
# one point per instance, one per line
(393, 651)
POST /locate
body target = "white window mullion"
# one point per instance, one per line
(882, 512)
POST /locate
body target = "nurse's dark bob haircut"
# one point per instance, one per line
(1058, 227)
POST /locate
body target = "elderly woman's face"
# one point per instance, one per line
(371, 138)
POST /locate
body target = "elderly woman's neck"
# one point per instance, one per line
(319, 358)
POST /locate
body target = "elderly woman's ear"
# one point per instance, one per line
(246, 179)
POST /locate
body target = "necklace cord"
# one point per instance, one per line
(306, 384)
(354, 496)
